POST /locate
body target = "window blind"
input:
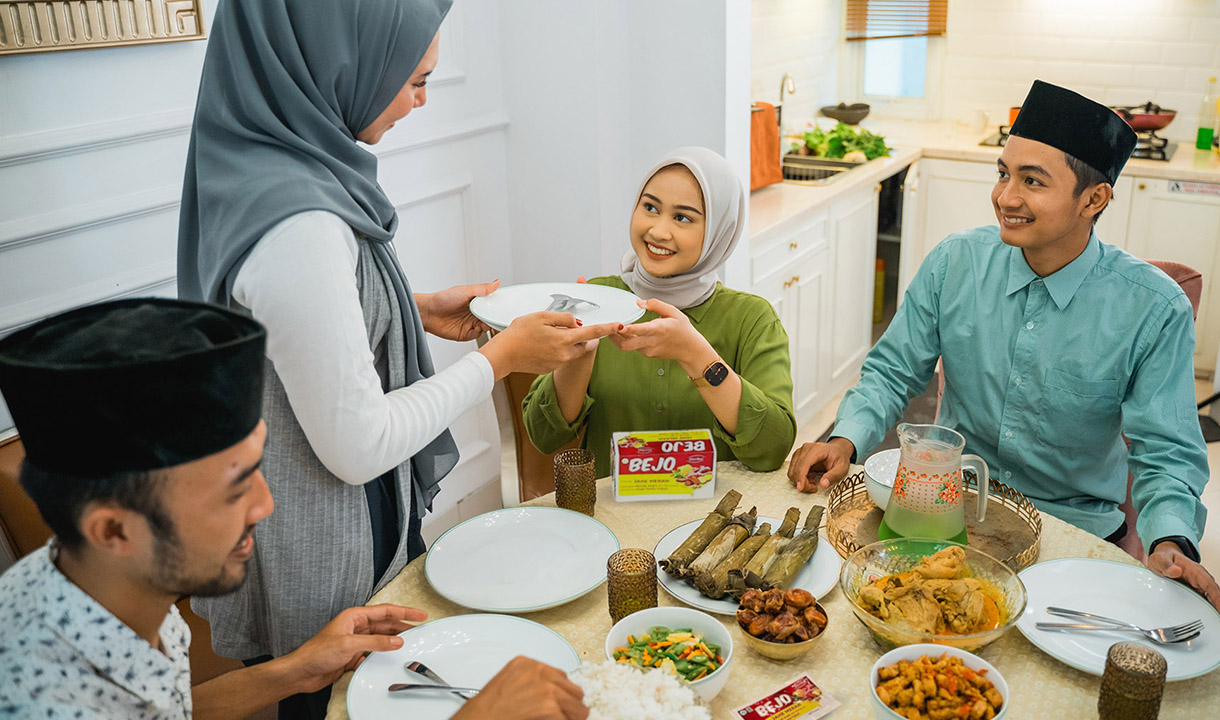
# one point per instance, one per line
(874, 19)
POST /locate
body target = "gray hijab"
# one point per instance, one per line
(724, 206)
(286, 86)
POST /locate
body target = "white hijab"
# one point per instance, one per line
(724, 206)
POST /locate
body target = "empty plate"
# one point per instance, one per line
(465, 650)
(1125, 592)
(520, 559)
(591, 304)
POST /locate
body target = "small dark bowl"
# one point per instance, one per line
(847, 114)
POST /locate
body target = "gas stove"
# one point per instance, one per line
(1148, 145)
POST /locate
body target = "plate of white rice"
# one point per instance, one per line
(618, 691)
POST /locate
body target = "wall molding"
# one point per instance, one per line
(45, 226)
(470, 127)
(36, 146)
(132, 283)
(44, 145)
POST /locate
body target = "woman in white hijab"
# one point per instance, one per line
(702, 355)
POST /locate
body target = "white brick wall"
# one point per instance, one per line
(1120, 52)
(799, 37)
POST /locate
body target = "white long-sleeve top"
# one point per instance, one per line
(300, 282)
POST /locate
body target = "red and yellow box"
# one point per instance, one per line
(664, 465)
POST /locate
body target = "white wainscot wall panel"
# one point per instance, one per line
(436, 246)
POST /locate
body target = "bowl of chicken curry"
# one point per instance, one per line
(913, 590)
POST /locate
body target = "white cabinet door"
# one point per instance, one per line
(799, 296)
(854, 257)
(807, 306)
(954, 196)
(1168, 224)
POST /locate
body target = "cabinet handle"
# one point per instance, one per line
(1142, 186)
(877, 188)
(789, 283)
(792, 246)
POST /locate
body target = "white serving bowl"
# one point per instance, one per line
(913, 652)
(700, 623)
(879, 471)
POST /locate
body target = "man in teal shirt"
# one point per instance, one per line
(1055, 345)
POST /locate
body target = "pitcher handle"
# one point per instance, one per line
(979, 465)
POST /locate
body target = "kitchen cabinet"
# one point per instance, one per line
(1154, 219)
(1167, 223)
(819, 278)
(792, 273)
(854, 259)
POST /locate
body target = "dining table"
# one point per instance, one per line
(840, 663)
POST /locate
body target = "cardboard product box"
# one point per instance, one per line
(664, 465)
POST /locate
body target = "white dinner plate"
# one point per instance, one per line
(465, 650)
(597, 303)
(520, 559)
(1124, 592)
(819, 576)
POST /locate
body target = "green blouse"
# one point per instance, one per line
(628, 391)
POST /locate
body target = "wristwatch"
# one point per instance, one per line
(712, 376)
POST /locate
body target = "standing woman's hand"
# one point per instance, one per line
(540, 342)
(446, 314)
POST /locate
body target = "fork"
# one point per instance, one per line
(419, 668)
(1166, 634)
(1162, 636)
(464, 693)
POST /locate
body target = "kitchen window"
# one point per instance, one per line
(894, 54)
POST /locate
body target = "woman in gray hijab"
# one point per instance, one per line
(282, 215)
(702, 356)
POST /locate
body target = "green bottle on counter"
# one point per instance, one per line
(1207, 117)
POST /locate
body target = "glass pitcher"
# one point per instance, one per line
(927, 497)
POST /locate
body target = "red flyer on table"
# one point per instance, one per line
(799, 699)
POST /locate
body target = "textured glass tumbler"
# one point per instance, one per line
(575, 481)
(1132, 683)
(631, 582)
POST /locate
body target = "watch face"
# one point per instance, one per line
(716, 374)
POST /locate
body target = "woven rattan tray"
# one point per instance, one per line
(1012, 532)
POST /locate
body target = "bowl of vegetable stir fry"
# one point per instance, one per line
(689, 644)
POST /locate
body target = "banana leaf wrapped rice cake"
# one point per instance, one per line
(761, 560)
(703, 535)
(793, 556)
(715, 584)
(733, 534)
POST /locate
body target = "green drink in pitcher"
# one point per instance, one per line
(926, 500)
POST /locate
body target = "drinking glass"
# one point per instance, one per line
(575, 481)
(631, 582)
(1132, 683)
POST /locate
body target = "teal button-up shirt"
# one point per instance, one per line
(1044, 375)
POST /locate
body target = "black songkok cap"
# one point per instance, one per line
(1086, 130)
(133, 385)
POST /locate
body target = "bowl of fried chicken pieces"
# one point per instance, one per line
(780, 624)
(910, 590)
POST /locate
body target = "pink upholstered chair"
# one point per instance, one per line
(1191, 282)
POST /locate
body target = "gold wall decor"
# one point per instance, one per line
(30, 26)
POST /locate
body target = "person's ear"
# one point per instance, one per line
(1096, 199)
(110, 528)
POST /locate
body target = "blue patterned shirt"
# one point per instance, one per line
(1043, 374)
(63, 655)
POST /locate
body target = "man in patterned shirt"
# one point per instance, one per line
(140, 420)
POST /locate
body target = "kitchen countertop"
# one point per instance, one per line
(776, 208)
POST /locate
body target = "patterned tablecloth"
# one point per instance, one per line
(1041, 686)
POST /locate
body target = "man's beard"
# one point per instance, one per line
(174, 577)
